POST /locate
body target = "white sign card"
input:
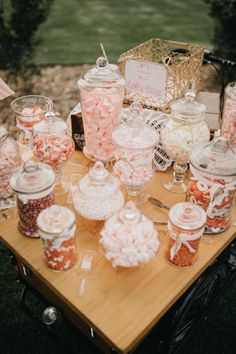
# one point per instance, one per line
(145, 79)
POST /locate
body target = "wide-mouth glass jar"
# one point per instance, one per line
(229, 115)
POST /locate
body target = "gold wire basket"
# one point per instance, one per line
(182, 62)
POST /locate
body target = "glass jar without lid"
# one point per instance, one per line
(56, 226)
(213, 182)
(101, 92)
(34, 185)
(98, 195)
(185, 129)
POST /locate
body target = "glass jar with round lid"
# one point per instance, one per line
(229, 115)
(101, 93)
(212, 183)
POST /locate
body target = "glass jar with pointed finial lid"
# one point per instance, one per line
(101, 93)
(212, 183)
(185, 129)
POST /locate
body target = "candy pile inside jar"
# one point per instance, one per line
(57, 229)
(102, 91)
(129, 238)
(34, 184)
(229, 115)
(134, 150)
(185, 228)
(98, 195)
(212, 183)
(9, 161)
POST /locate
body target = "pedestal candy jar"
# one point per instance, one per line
(134, 143)
(56, 226)
(129, 238)
(98, 195)
(101, 92)
(34, 184)
(185, 129)
(51, 143)
(213, 182)
(229, 115)
(9, 161)
(185, 228)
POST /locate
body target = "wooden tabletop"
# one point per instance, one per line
(122, 304)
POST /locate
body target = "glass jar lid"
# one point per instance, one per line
(129, 215)
(102, 75)
(230, 90)
(98, 182)
(33, 177)
(50, 125)
(187, 216)
(188, 110)
(214, 158)
(135, 134)
(55, 220)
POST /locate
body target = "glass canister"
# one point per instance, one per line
(129, 238)
(229, 115)
(29, 111)
(51, 143)
(101, 92)
(98, 195)
(213, 182)
(10, 160)
(34, 184)
(56, 226)
(185, 228)
(134, 143)
(185, 129)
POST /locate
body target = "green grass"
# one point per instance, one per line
(74, 28)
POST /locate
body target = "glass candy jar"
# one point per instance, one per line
(56, 226)
(213, 182)
(229, 115)
(129, 238)
(185, 228)
(52, 144)
(34, 184)
(101, 93)
(29, 111)
(185, 129)
(134, 143)
(98, 195)
(9, 161)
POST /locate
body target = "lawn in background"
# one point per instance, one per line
(74, 28)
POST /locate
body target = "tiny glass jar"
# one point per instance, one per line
(185, 228)
(52, 144)
(134, 143)
(185, 129)
(29, 111)
(98, 195)
(229, 115)
(101, 93)
(34, 185)
(129, 238)
(212, 183)
(57, 226)
(10, 160)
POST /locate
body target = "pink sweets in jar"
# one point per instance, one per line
(229, 115)
(34, 184)
(101, 92)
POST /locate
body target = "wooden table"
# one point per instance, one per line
(119, 307)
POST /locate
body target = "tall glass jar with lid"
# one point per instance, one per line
(101, 93)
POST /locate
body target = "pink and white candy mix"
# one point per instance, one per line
(101, 112)
(229, 122)
(30, 116)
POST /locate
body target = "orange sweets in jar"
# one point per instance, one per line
(185, 228)
(213, 182)
(57, 229)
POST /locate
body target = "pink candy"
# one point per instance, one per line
(229, 122)
(30, 116)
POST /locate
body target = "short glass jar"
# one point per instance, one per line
(56, 226)
(129, 238)
(101, 93)
(98, 195)
(229, 115)
(185, 228)
(212, 183)
(34, 185)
